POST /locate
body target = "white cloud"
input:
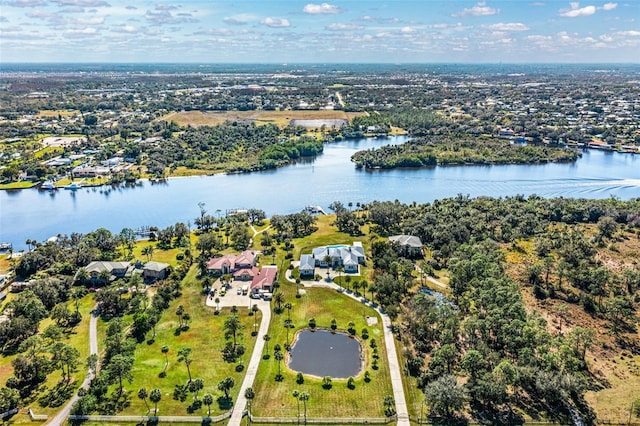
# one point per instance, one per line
(276, 22)
(81, 31)
(130, 29)
(240, 19)
(321, 9)
(537, 4)
(91, 21)
(479, 9)
(407, 30)
(609, 6)
(630, 33)
(26, 3)
(577, 11)
(82, 3)
(508, 26)
(344, 27)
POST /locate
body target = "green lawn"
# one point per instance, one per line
(18, 185)
(274, 398)
(206, 339)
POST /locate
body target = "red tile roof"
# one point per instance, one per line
(266, 277)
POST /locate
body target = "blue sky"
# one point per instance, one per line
(288, 31)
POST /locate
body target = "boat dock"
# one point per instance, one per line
(315, 210)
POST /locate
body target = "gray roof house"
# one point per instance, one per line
(115, 269)
(346, 256)
(153, 271)
(307, 265)
(410, 245)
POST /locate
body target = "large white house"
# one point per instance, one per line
(348, 257)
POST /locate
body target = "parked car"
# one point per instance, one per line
(223, 292)
(239, 291)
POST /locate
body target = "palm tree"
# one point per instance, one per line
(165, 351)
(148, 251)
(196, 386)
(279, 356)
(287, 324)
(179, 313)
(278, 297)
(304, 397)
(142, 394)
(249, 394)
(217, 303)
(296, 395)
(225, 385)
(266, 339)
(155, 396)
(232, 326)
(288, 305)
(356, 286)
(339, 270)
(183, 356)
(208, 400)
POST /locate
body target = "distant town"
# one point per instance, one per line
(59, 126)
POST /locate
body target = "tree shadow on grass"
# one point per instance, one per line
(224, 403)
(58, 395)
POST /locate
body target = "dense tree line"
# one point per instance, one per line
(440, 150)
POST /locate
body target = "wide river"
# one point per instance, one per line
(34, 214)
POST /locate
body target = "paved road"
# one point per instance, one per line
(252, 369)
(60, 418)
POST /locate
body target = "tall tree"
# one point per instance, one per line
(142, 394)
(183, 356)
(155, 396)
(225, 386)
(232, 326)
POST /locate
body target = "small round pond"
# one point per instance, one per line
(323, 353)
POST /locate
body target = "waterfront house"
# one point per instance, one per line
(307, 265)
(408, 245)
(115, 270)
(231, 263)
(154, 271)
(348, 257)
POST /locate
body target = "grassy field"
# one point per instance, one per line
(58, 112)
(274, 398)
(279, 118)
(206, 339)
(18, 185)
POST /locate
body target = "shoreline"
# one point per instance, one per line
(153, 181)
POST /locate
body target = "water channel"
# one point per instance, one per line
(323, 353)
(33, 214)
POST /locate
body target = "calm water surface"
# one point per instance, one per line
(331, 177)
(322, 353)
